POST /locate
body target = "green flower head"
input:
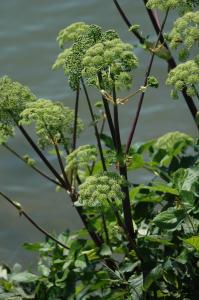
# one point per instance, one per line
(184, 75)
(185, 31)
(81, 157)
(182, 5)
(114, 60)
(70, 33)
(6, 131)
(13, 99)
(73, 62)
(54, 122)
(99, 189)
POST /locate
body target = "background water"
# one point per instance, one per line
(28, 50)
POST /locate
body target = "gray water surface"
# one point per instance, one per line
(28, 50)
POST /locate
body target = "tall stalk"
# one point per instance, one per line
(75, 119)
(171, 61)
(131, 134)
(95, 126)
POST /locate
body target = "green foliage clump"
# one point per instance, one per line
(114, 60)
(169, 141)
(185, 30)
(184, 75)
(73, 63)
(86, 58)
(13, 99)
(6, 131)
(61, 59)
(80, 158)
(99, 189)
(71, 32)
(183, 5)
(54, 122)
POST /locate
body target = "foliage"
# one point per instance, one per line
(54, 122)
(140, 239)
(184, 75)
(13, 100)
(185, 30)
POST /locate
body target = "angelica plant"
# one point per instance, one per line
(114, 60)
(99, 189)
(13, 100)
(182, 5)
(184, 75)
(185, 31)
(128, 248)
(81, 160)
(53, 121)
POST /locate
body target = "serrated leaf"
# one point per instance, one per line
(169, 219)
(24, 277)
(193, 241)
(80, 263)
(136, 162)
(157, 239)
(155, 274)
(107, 141)
(105, 250)
(32, 246)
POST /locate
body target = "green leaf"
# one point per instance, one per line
(32, 246)
(136, 162)
(24, 277)
(105, 250)
(169, 219)
(157, 239)
(107, 141)
(128, 266)
(155, 274)
(186, 179)
(80, 263)
(193, 241)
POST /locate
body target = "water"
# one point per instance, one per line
(28, 50)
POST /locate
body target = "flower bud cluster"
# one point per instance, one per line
(13, 99)
(61, 59)
(184, 75)
(5, 132)
(73, 62)
(185, 30)
(97, 190)
(169, 140)
(113, 59)
(117, 61)
(183, 5)
(71, 32)
(54, 122)
(81, 157)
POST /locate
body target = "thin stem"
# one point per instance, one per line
(105, 230)
(67, 183)
(171, 61)
(116, 120)
(123, 171)
(130, 138)
(107, 110)
(95, 126)
(30, 219)
(41, 155)
(128, 23)
(32, 166)
(75, 120)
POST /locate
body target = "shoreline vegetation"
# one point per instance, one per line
(139, 241)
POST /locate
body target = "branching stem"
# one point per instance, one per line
(130, 137)
(30, 219)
